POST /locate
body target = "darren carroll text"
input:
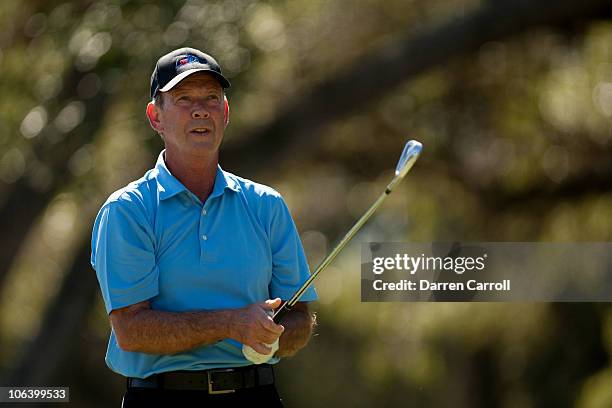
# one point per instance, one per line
(424, 284)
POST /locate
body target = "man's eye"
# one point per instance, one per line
(183, 98)
(213, 97)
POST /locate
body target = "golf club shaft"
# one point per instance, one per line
(411, 152)
(287, 306)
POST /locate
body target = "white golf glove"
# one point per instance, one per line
(257, 358)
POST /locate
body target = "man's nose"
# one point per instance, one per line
(199, 111)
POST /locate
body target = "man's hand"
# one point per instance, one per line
(253, 326)
(299, 324)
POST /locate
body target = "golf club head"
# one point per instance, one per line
(409, 156)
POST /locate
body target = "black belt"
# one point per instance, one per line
(215, 381)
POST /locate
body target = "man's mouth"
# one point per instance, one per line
(200, 131)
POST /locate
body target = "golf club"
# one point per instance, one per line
(406, 161)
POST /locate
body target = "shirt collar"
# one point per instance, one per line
(169, 186)
(223, 181)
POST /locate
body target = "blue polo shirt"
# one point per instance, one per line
(153, 239)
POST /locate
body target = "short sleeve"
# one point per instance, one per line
(289, 264)
(123, 255)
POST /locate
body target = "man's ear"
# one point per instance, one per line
(153, 116)
(225, 111)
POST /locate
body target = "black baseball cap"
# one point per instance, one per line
(177, 65)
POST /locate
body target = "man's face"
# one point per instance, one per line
(191, 118)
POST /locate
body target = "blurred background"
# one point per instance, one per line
(512, 100)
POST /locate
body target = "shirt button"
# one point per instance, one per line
(203, 211)
(204, 237)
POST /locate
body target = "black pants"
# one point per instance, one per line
(265, 395)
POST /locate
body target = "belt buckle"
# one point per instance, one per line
(210, 382)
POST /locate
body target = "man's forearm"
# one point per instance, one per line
(158, 332)
(299, 324)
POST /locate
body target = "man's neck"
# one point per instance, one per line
(196, 173)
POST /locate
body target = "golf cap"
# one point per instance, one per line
(177, 65)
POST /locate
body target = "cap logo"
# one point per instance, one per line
(187, 60)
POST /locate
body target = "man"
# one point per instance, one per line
(191, 259)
